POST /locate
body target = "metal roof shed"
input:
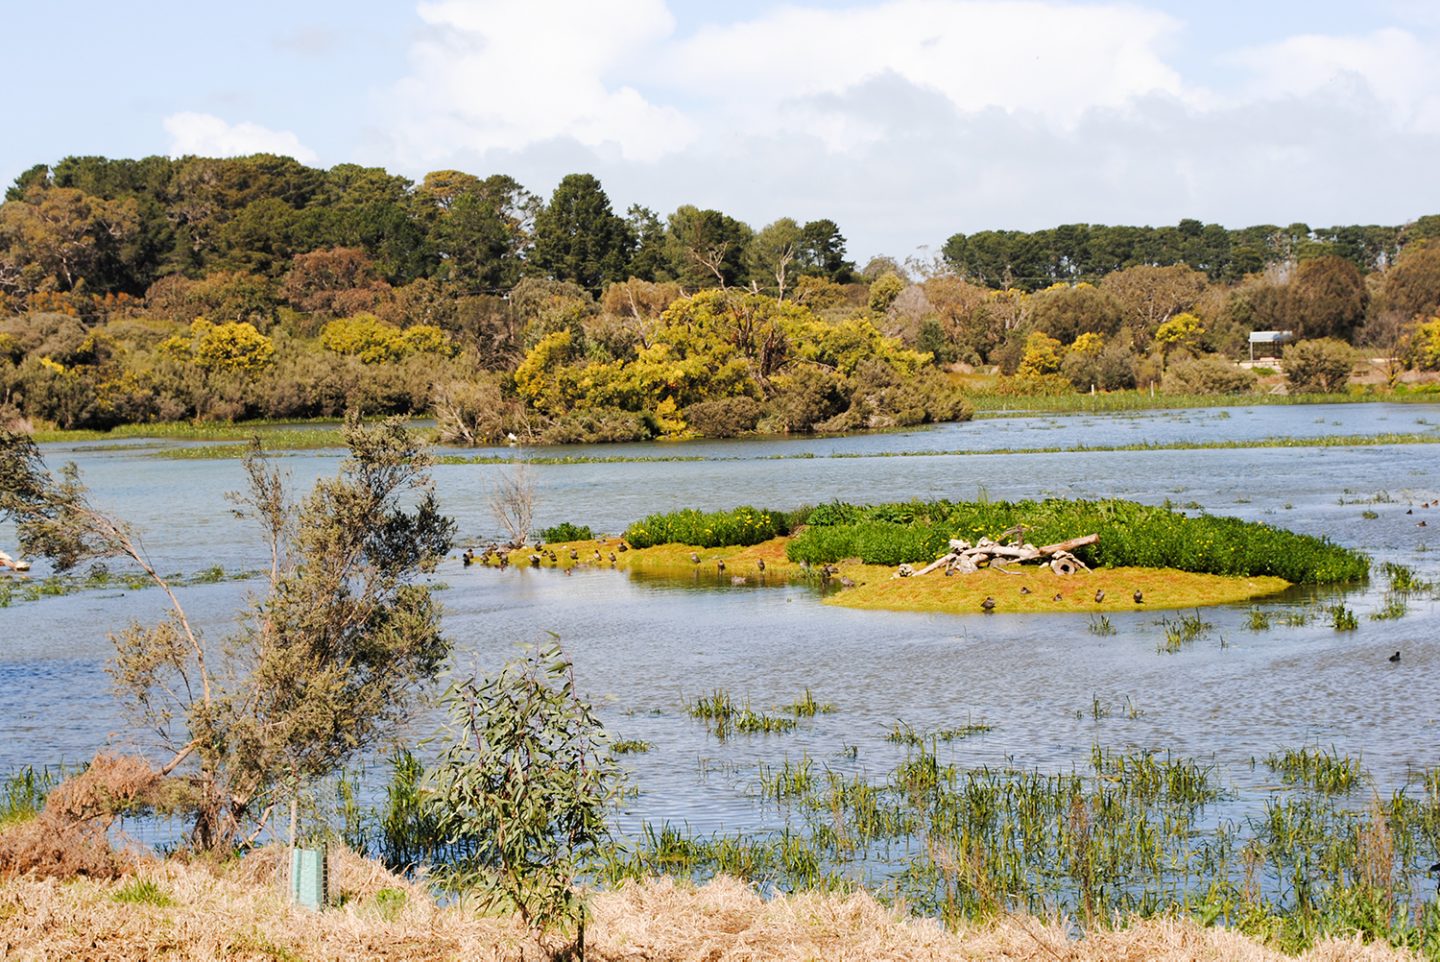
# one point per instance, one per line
(1270, 342)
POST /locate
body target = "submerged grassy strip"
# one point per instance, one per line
(18, 590)
(991, 404)
(320, 438)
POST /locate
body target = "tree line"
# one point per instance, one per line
(164, 289)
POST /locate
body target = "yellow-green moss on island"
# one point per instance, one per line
(875, 587)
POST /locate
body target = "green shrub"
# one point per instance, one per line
(738, 526)
(1206, 375)
(1131, 534)
(1320, 366)
(565, 531)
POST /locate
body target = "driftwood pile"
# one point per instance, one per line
(965, 558)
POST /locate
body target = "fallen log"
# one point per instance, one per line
(966, 558)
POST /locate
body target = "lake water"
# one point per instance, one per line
(644, 648)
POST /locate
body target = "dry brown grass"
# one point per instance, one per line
(68, 837)
(238, 911)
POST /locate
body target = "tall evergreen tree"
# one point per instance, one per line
(579, 238)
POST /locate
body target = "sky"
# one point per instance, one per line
(904, 121)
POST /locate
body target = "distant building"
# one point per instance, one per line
(1269, 343)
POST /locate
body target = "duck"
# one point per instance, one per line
(988, 605)
(1024, 590)
(1139, 597)
(1099, 595)
(719, 565)
(694, 558)
(1395, 658)
(760, 563)
(468, 558)
(534, 561)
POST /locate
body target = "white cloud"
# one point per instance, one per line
(908, 120)
(1393, 65)
(1056, 60)
(208, 135)
(505, 74)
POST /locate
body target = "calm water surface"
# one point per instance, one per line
(645, 648)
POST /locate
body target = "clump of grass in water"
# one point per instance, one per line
(1394, 607)
(790, 780)
(630, 746)
(23, 791)
(808, 707)
(1259, 620)
(1403, 580)
(1182, 631)
(1100, 625)
(1342, 618)
(1324, 771)
(722, 716)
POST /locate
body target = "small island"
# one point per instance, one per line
(865, 556)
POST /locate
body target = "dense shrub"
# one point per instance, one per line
(1320, 366)
(598, 426)
(1206, 375)
(725, 417)
(1130, 534)
(738, 526)
(565, 531)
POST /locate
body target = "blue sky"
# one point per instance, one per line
(904, 120)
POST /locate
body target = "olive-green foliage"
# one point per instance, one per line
(565, 531)
(1206, 375)
(1319, 366)
(1131, 534)
(738, 526)
(605, 425)
(525, 785)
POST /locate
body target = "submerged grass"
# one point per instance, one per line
(322, 438)
(15, 590)
(1324, 770)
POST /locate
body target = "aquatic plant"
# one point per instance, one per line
(808, 707)
(1324, 770)
(1342, 618)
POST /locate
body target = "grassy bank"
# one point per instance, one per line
(180, 911)
(874, 587)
